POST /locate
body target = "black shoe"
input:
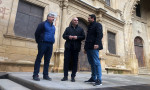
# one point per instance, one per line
(64, 79)
(97, 82)
(46, 77)
(90, 80)
(72, 79)
(36, 77)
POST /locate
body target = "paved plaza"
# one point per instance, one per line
(110, 82)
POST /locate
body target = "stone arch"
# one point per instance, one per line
(128, 32)
(81, 16)
(128, 9)
(139, 37)
(127, 15)
(83, 64)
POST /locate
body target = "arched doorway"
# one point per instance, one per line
(138, 45)
(83, 64)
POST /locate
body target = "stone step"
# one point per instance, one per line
(27, 83)
(144, 71)
(6, 84)
(142, 67)
(2, 73)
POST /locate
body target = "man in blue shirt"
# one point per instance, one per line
(45, 39)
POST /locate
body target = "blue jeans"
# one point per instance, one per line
(44, 49)
(93, 58)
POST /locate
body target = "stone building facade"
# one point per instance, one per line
(126, 29)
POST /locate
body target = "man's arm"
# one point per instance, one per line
(82, 37)
(38, 32)
(65, 34)
(99, 32)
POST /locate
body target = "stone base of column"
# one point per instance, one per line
(103, 64)
(133, 64)
(58, 61)
(16, 66)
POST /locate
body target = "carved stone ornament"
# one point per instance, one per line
(65, 3)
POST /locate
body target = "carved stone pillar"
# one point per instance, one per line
(99, 18)
(59, 54)
(131, 61)
(63, 22)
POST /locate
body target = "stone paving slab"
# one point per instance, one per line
(112, 81)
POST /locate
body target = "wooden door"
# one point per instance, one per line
(27, 19)
(83, 61)
(138, 44)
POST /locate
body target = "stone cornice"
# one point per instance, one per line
(37, 2)
(89, 7)
(114, 19)
(113, 10)
(102, 1)
(20, 63)
(98, 10)
(56, 1)
(19, 38)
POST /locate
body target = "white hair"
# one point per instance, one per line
(51, 14)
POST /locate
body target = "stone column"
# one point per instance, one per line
(63, 23)
(59, 54)
(148, 34)
(131, 61)
(101, 53)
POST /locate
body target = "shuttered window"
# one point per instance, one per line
(111, 42)
(27, 19)
(107, 2)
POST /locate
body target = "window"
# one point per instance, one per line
(111, 42)
(107, 2)
(27, 19)
(138, 10)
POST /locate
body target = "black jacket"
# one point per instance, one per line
(39, 33)
(74, 44)
(94, 36)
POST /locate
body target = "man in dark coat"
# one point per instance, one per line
(73, 36)
(44, 37)
(92, 46)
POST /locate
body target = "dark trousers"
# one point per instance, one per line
(44, 49)
(67, 57)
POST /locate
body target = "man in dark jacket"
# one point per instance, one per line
(44, 37)
(73, 36)
(92, 46)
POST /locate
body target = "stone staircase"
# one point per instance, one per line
(7, 84)
(144, 71)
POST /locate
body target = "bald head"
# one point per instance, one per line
(75, 21)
